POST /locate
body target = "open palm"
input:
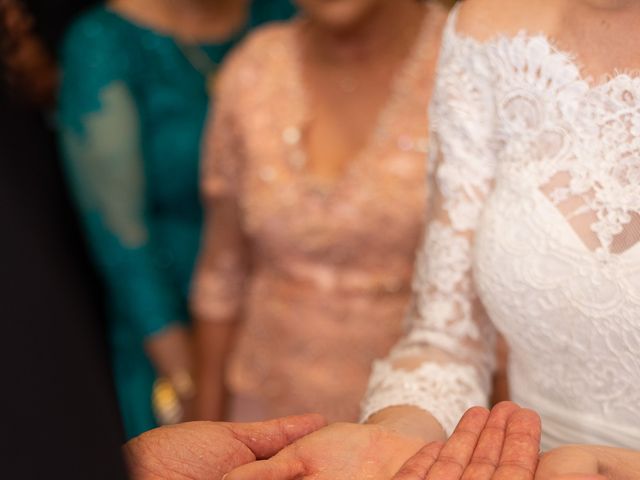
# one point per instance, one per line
(499, 445)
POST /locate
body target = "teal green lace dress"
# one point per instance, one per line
(132, 107)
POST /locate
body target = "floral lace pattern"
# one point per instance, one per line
(536, 222)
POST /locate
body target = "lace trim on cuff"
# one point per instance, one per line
(444, 390)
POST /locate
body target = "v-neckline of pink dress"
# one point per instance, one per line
(293, 134)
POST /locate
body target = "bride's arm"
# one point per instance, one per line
(443, 365)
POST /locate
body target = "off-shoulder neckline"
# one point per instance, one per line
(569, 58)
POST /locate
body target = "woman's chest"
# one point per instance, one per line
(378, 201)
(568, 145)
(536, 274)
(380, 188)
(381, 208)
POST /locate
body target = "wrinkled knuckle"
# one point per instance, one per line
(464, 435)
(493, 430)
(527, 470)
(448, 460)
(484, 461)
(428, 456)
(522, 437)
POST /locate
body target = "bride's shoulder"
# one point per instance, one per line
(486, 19)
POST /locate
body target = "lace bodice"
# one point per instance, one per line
(534, 232)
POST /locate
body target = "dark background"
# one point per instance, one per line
(58, 416)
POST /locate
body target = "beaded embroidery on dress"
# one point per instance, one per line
(536, 222)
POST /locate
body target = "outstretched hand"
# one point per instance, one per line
(499, 445)
(207, 450)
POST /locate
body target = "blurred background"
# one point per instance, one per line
(210, 210)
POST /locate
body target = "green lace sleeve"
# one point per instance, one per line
(101, 141)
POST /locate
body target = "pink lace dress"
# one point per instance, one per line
(331, 265)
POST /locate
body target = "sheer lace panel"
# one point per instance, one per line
(600, 229)
(596, 188)
(106, 158)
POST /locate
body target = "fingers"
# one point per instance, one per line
(280, 467)
(501, 445)
(265, 439)
(521, 448)
(458, 450)
(486, 456)
(416, 467)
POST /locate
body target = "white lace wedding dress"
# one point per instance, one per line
(535, 232)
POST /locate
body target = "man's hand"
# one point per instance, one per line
(501, 445)
(207, 451)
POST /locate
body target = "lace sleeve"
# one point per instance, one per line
(222, 264)
(444, 362)
(223, 152)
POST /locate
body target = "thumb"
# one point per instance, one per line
(265, 439)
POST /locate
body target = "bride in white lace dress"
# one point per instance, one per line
(535, 233)
(537, 221)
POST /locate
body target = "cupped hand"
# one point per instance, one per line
(499, 445)
(207, 450)
(342, 451)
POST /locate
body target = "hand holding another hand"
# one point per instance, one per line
(498, 445)
(207, 450)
